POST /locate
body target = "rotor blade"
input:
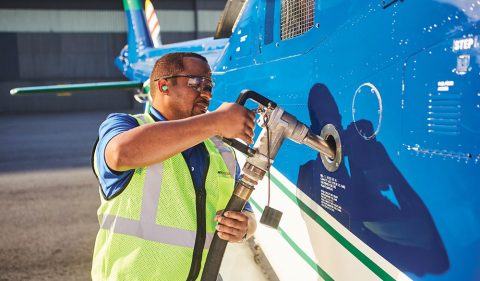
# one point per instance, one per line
(77, 87)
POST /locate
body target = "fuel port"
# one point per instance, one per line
(332, 138)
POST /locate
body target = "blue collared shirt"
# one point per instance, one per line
(113, 182)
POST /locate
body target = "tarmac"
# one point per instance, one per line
(49, 197)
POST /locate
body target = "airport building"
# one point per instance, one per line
(59, 42)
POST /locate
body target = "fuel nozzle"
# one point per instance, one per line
(282, 125)
(327, 144)
(319, 144)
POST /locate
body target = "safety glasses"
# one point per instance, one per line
(198, 83)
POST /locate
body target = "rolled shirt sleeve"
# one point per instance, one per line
(112, 182)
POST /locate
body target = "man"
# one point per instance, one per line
(164, 178)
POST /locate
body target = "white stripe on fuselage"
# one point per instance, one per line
(325, 250)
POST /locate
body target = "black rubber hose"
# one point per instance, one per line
(218, 245)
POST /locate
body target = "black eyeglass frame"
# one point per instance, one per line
(199, 88)
(182, 75)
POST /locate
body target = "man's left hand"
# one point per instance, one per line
(233, 226)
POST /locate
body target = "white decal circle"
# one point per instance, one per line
(367, 105)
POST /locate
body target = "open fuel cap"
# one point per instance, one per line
(271, 217)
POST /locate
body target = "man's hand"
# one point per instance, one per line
(233, 226)
(235, 121)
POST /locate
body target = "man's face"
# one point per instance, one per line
(191, 95)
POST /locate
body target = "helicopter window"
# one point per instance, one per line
(296, 18)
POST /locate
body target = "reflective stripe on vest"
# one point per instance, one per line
(227, 155)
(146, 228)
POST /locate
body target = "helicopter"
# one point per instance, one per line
(399, 80)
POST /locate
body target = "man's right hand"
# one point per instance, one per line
(235, 121)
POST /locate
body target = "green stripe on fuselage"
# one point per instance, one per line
(342, 240)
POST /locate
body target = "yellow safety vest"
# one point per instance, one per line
(160, 227)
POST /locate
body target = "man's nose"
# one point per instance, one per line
(206, 94)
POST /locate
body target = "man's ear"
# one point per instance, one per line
(163, 87)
